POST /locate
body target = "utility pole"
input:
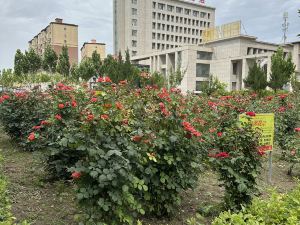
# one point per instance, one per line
(285, 26)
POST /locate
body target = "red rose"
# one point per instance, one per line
(31, 137)
(61, 106)
(250, 113)
(58, 117)
(107, 79)
(136, 138)
(44, 122)
(125, 122)
(104, 117)
(119, 105)
(94, 100)
(90, 117)
(37, 127)
(219, 134)
(5, 97)
(297, 129)
(76, 175)
(222, 155)
(74, 104)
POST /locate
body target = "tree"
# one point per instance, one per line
(281, 70)
(257, 79)
(33, 60)
(96, 61)
(19, 61)
(49, 59)
(213, 86)
(63, 65)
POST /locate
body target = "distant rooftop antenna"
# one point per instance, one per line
(285, 26)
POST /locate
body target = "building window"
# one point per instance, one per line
(134, 53)
(195, 13)
(134, 11)
(134, 43)
(201, 85)
(134, 33)
(234, 68)
(134, 2)
(154, 5)
(153, 45)
(153, 15)
(202, 70)
(187, 11)
(233, 86)
(153, 35)
(204, 55)
(153, 25)
(179, 9)
(170, 8)
(161, 6)
(134, 22)
(202, 14)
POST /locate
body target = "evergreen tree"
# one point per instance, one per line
(87, 69)
(96, 60)
(281, 70)
(19, 61)
(34, 61)
(63, 65)
(256, 79)
(49, 59)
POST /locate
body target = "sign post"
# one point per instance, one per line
(263, 123)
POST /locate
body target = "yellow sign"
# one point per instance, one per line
(264, 123)
(220, 32)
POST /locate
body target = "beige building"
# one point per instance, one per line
(89, 47)
(229, 59)
(57, 34)
(146, 26)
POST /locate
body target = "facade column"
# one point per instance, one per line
(245, 69)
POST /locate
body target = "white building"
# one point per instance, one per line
(144, 26)
(228, 59)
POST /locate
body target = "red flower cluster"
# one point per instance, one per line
(61, 106)
(104, 80)
(74, 104)
(31, 137)
(58, 117)
(90, 117)
(226, 97)
(222, 155)
(21, 94)
(3, 98)
(104, 117)
(283, 96)
(76, 175)
(220, 134)
(94, 100)
(251, 114)
(44, 122)
(282, 109)
(297, 129)
(164, 95)
(136, 138)
(189, 128)
(62, 87)
(119, 105)
(163, 109)
(36, 127)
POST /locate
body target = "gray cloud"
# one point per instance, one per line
(21, 20)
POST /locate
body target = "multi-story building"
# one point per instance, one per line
(146, 26)
(89, 47)
(228, 59)
(57, 34)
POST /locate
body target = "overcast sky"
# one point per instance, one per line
(20, 20)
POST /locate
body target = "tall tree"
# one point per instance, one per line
(19, 63)
(281, 70)
(96, 60)
(63, 65)
(34, 61)
(256, 79)
(49, 59)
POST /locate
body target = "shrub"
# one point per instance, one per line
(236, 158)
(277, 209)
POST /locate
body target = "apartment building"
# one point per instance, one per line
(89, 48)
(229, 59)
(146, 26)
(57, 34)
